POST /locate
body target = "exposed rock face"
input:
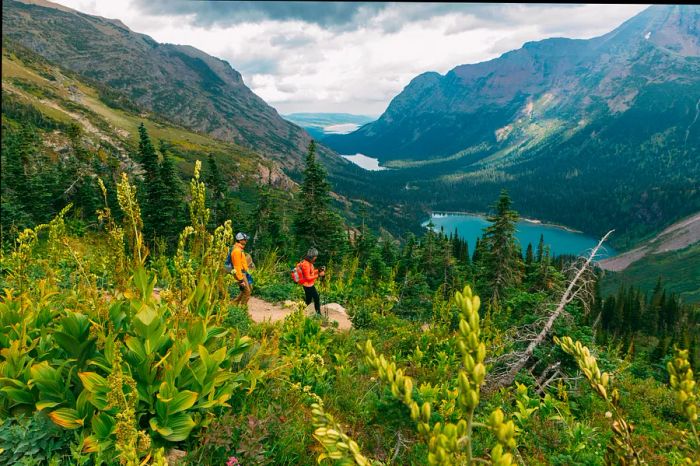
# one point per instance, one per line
(570, 80)
(179, 82)
(275, 177)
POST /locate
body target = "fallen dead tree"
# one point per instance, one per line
(517, 360)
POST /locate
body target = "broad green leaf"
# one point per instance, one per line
(162, 430)
(180, 425)
(102, 425)
(135, 345)
(147, 315)
(216, 332)
(182, 401)
(41, 405)
(19, 396)
(66, 418)
(93, 382)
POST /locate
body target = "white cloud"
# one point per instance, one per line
(298, 66)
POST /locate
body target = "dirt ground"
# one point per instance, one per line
(261, 311)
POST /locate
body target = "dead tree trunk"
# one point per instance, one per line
(508, 378)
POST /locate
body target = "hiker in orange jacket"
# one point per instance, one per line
(308, 278)
(240, 268)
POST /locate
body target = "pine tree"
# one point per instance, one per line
(540, 249)
(503, 259)
(147, 157)
(171, 216)
(17, 147)
(528, 255)
(271, 230)
(151, 188)
(315, 224)
(478, 248)
(217, 191)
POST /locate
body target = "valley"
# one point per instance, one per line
(194, 271)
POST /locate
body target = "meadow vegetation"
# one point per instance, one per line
(115, 349)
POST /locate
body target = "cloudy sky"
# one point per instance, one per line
(351, 57)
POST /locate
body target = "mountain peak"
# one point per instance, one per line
(178, 82)
(674, 28)
(65, 9)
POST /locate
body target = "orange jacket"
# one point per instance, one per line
(238, 259)
(308, 273)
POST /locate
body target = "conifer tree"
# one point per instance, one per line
(540, 249)
(17, 147)
(148, 158)
(271, 230)
(503, 260)
(478, 248)
(172, 213)
(315, 223)
(217, 190)
(528, 255)
(151, 188)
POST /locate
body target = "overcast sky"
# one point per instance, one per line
(351, 57)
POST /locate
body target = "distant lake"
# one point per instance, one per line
(559, 239)
(342, 128)
(368, 163)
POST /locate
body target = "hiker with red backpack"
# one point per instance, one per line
(306, 274)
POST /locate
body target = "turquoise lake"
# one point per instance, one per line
(560, 240)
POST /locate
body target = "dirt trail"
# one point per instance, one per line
(261, 311)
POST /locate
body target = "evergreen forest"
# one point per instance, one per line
(122, 191)
(120, 344)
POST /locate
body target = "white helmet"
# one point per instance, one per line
(241, 236)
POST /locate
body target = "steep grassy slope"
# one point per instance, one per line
(179, 82)
(110, 122)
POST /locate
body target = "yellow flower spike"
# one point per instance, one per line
(496, 417)
(462, 347)
(464, 328)
(481, 352)
(425, 412)
(469, 363)
(479, 373)
(415, 412)
(408, 385)
(474, 322)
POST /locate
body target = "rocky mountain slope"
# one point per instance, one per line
(178, 82)
(678, 236)
(594, 134)
(33, 86)
(561, 84)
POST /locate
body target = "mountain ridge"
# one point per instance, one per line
(179, 82)
(502, 88)
(594, 134)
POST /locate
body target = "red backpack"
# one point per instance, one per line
(297, 273)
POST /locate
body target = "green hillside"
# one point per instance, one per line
(679, 272)
(126, 337)
(29, 80)
(181, 83)
(594, 134)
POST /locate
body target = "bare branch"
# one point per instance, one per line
(570, 293)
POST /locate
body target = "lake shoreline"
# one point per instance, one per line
(484, 215)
